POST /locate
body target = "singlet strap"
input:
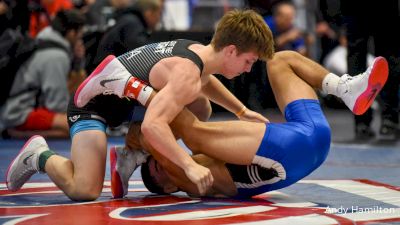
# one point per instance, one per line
(183, 51)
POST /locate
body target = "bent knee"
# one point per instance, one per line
(282, 58)
(85, 194)
(84, 190)
(283, 55)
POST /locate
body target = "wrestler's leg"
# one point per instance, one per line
(286, 82)
(237, 141)
(309, 71)
(81, 177)
(357, 92)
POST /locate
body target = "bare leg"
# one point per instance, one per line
(290, 82)
(238, 141)
(358, 92)
(309, 71)
(230, 141)
(81, 178)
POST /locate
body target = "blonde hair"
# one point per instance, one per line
(245, 29)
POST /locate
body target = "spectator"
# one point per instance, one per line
(5, 15)
(281, 23)
(361, 25)
(305, 20)
(14, 14)
(328, 27)
(39, 95)
(336, 59)
(264, 7)
(132, 28)
(43, 11)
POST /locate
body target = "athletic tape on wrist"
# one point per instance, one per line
(144, 95)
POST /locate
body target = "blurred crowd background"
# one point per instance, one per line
(342, 35)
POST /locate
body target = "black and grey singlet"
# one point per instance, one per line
(140, 61)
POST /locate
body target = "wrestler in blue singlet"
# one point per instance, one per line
(288, 152)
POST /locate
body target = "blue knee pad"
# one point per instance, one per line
(83, 125)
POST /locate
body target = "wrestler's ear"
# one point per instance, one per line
(230, 50)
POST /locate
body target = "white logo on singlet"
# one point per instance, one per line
(135, 52)
(165, 47)
(74, 118)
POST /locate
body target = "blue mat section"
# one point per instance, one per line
(345, 161)
(378, 163)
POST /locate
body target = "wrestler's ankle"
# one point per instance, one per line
(138, 90)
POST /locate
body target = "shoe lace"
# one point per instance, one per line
(349, 78)
(343, 86)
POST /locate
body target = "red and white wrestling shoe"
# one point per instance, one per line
(360, 91)
(110, 77)
(123, 163)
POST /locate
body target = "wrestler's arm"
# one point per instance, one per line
(181, 89)
(222, 186)
(220, 95)
(235, 142)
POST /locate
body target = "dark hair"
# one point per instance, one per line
(276, 6)
(66, 20)
(148, 180)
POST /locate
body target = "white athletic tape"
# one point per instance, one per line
(144, 95)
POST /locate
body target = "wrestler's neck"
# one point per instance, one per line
(211, 59)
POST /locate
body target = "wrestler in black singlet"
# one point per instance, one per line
(112, 110)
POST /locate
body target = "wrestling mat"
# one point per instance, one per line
(357, 184)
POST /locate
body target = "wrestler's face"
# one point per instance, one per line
(161, 177)
(237, 63)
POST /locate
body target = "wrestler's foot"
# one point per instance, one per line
(123, 163)
(26, 163)
(359, 92)
(110, 77)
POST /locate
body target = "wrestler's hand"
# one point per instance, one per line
(200, 176)
(250, 115)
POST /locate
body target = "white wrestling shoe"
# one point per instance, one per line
(26, 163)
(359, 92)
(123, 163)
(109, 77)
